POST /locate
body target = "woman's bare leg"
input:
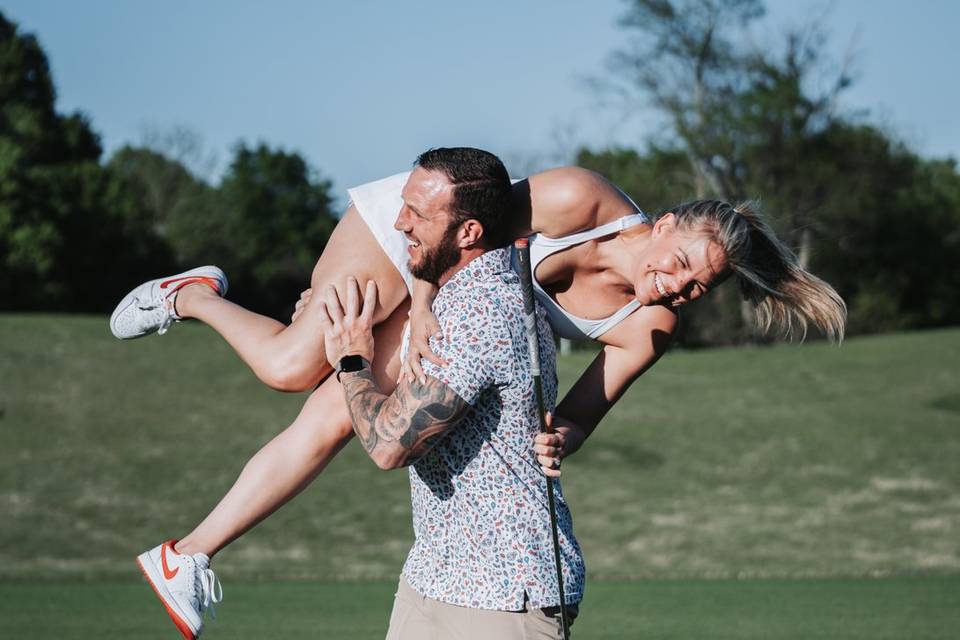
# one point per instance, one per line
(289, 462)
(291, 358)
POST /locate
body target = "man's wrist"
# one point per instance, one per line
(351, 363)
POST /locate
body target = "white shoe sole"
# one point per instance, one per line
(153, 575)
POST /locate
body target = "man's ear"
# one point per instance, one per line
(471, 234)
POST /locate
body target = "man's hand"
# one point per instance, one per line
(348, 328)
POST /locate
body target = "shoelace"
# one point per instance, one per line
(165, 324)
(211, 590)
(164, 308)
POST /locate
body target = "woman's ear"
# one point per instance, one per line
(666, 222)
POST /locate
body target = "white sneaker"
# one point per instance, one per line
(150, 307)
(185, 585)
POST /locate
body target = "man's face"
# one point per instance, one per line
(429, 226)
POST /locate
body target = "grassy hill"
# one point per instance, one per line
(789, 461)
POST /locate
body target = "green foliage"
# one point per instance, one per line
(59, 208)
(861, 210)
(887, 231)
(656, 180)
(274, 216)
(67, 221)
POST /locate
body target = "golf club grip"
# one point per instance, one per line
(522, 247)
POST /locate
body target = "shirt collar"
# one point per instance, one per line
(483, 267)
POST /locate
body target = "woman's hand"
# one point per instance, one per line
(552, 448)
(301, 304)
(423, 326)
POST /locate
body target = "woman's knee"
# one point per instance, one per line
(325, 413)
(288, 372)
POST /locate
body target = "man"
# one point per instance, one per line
(482, 562)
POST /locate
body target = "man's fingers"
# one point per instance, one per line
(369, 302)
(325, 322)
(353, 298)
(332, 301)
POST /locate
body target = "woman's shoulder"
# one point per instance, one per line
(568, 200)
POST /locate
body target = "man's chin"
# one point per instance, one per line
(420, 274)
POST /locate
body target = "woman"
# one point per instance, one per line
(603, 271)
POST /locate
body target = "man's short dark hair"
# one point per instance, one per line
(481, 188)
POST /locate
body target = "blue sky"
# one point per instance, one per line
(361, 87)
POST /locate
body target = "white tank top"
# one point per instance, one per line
(564, 323)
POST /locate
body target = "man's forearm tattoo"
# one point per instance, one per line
(412, 418)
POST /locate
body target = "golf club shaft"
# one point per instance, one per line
(522, 247)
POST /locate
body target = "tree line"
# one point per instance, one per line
(78, 230)
(864, 211)
(753, 117)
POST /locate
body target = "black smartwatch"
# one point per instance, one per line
(350, 364)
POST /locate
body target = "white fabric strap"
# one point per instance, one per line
(614, 226)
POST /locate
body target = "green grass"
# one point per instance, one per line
(814, 467)
(788, 461)
(894, 609)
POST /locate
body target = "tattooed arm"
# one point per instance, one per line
(396, 430)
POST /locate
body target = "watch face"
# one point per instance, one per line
(351, 363)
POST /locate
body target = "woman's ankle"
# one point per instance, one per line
(189, 295)
(190, 547)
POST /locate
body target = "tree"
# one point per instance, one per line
(745, 117)
(266, 224)
(655, 180)
(892, 229)
(57, 231)
(75, 233)
(686, 62)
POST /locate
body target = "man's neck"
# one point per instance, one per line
(466, 256)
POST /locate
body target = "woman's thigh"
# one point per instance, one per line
(326, 407)
(353, 250)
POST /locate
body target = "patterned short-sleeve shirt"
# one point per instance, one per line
(480, 512)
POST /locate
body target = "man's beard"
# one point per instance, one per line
(437, 261)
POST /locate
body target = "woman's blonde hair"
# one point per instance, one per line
(770, 276)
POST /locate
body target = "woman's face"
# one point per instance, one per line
(677, 266)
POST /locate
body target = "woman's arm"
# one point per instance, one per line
(638, 343)
(423, 326)
(571, 199)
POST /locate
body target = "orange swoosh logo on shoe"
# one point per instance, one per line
(182, 282)
(169, 575)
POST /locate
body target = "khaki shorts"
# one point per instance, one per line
(416, 617)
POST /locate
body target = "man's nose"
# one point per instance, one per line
(402, 223)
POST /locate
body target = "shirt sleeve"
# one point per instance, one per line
(476, 345)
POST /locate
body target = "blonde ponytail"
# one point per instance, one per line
(782, 292)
